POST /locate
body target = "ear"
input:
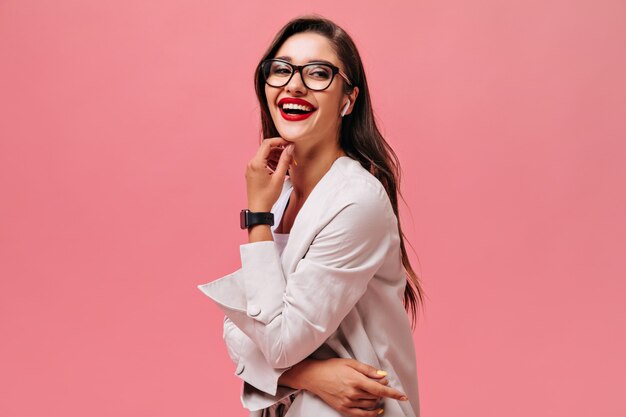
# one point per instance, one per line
(352, 96)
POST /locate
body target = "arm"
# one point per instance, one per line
(289, 319)
(251, 366)
(261, 387)
(348, 386)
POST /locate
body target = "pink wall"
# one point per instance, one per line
(124, 130)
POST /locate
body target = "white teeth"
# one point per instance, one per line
(294, 106)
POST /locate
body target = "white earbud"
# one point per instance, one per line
(345, 108)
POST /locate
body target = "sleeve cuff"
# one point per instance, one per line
(263, 279)
(253, 368)
(255, 291)
(254, 399)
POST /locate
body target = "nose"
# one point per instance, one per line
(296, 84)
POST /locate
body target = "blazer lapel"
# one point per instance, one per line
(307, 223)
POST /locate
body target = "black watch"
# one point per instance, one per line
(248, 218)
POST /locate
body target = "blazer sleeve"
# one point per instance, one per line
(231, 339)
(288, 319)
(252, 368)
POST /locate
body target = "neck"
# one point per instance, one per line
(313, 163)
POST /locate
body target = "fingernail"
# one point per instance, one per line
(403, 398)
(289, 149)
(382, 410)
(383, 373)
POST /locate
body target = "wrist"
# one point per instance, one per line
(259, 233)
(258, 204)
(259, 208)
(297, 377)
(249, 218)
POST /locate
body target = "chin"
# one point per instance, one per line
(291, 131)
(293, 137)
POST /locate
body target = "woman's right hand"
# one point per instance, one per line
(349, 386)
(265, 173)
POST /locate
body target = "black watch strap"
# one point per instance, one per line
(249, 218)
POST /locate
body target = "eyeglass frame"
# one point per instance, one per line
(336, 70)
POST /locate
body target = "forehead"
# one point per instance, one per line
(305, 47)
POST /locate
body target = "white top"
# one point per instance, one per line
(280, 238)
(336, 290)
(281, 241)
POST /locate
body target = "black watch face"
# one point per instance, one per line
(248, 218)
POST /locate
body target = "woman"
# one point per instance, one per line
(314, 318)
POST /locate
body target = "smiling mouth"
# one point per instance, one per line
(296, 109)
(293, 112)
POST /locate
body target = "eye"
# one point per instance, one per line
(278, 69)
(319, 72)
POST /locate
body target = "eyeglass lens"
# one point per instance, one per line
(315, 76)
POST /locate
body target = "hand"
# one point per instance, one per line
(264, 182)
(348, 386)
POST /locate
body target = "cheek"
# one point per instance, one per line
(330, 104)
(329, 110)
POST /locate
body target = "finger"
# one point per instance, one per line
(268, 144)
(275, 153)
(375, 388)
(363, 403)
(367, 370)
(364, 395)
(283, 162)
(358, 412)
(274, 157)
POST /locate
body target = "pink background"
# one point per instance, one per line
(125, 127)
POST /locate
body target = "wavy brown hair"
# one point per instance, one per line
(359, 136)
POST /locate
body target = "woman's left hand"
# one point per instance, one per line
(264, 184)
(353, 388)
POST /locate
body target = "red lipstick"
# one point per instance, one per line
(294, 117)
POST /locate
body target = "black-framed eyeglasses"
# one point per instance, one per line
(316, 76)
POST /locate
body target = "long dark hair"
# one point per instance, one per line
(359, 136)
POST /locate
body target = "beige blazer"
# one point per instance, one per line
(336, 291)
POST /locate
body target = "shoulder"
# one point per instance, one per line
(356, 185)
(356, 191)
(355, 219)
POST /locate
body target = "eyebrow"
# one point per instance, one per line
(288, 59)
